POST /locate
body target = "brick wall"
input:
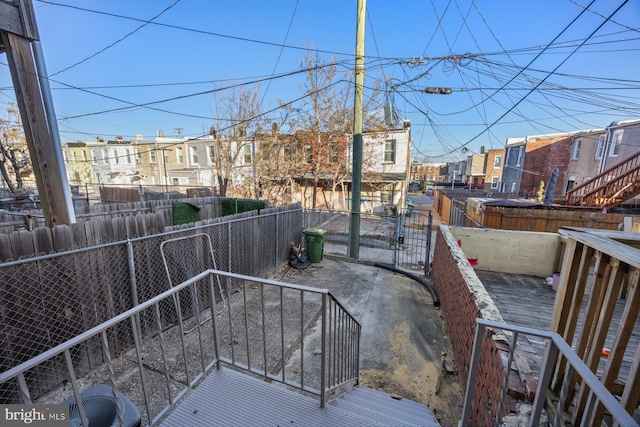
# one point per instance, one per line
(543, 155)
(462, 301)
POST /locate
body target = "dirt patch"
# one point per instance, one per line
(411, 376)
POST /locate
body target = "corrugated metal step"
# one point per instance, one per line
(231, 398)
(366, 394)
(380, 405)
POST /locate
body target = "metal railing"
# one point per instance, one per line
(296, 335)
(598, 393)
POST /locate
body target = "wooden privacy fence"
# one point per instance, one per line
(540, 219)
(544, 220)
(210, 208)
(105, 269)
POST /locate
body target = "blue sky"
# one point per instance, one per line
(490, 52)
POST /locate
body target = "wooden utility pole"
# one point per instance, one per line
(19, 37)
(358, 102)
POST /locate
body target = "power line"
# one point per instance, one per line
(145, 23)
(545, 78)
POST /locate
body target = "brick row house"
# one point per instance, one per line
(519, 168)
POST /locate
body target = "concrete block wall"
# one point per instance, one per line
(506, 251)
(464, 299)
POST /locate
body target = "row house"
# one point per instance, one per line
(532, 159)
(474, 175)
(425, 172)
(493, 169)
(386, 167)
(578, 156)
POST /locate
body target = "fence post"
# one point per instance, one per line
(323, 351)
(428, 254)
(134, 288)
(277, 238)
(396, 239)
(229, 247)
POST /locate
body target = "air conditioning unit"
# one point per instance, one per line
(100, 408)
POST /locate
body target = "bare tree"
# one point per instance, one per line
(14, 154)
(239, 119)
(323, 120)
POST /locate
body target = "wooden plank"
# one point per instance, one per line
(565, 287)
(10, 19)
(613, 248)
(621, 341)
(42, 240)
(5, 248)
(569, 327)
(600, 329)
(596, 296)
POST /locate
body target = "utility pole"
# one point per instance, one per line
(358, 102)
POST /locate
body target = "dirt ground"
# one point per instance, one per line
(430, 383)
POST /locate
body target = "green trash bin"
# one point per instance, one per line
(314, 238)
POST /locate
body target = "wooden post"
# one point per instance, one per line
(45, 155)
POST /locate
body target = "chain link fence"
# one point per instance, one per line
(377, 233)
(48, 299)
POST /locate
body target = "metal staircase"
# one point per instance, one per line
(230, 398)
(609, 189)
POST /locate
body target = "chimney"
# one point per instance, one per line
(482, 149)
(212, 132)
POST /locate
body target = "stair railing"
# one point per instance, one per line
(599, 189)
(297, 335)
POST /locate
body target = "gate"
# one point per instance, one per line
(402, 241)
(413, 241)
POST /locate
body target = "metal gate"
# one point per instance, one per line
(402, 241)
(413, 241)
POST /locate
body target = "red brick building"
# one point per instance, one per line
(543, 154)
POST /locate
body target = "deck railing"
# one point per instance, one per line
(300, 336)
(603, 189)
(597, 392)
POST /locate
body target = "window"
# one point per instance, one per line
(616, 142)
(116, 159)
(390, 151)
(74, 157)
(600, 147)
(520, 156)
(212, 154)
(66, 159)
(179, 155)
(247, 154)
(105, 157)
(308, 154)
(175, 181)
(513, 187)
(495, 182)
(576, 149)
(165, 156)
(193, 153)
(84, 157)
(94, 157)
(138, 156)
(127, 154)
(334, 158)
(152, 156)
(497, 162)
